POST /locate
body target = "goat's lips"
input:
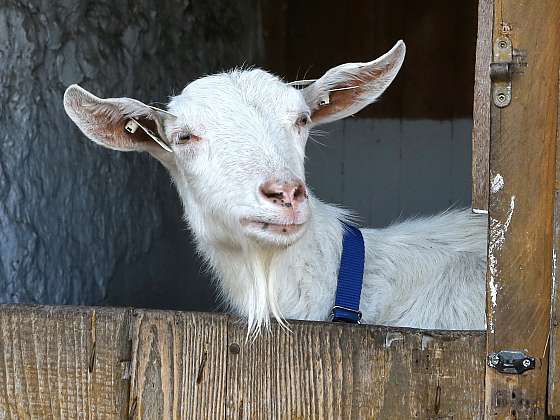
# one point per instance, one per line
(279, 228)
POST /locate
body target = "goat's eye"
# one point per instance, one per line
(186, 138)
(303, 120)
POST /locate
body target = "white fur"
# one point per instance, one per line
(425, 273)
(422, 273)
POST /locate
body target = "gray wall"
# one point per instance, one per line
(83, 225)
(385, 169)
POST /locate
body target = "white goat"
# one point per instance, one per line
(236, 144)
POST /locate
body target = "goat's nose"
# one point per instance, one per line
(284, 193)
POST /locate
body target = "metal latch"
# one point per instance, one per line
(515, 362)
(507, 61)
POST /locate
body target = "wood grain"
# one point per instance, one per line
(481, 106)
(554, 359)
(63, 362)
(522, 153)
(333, 371)
(188, 365)
(436, 78)
(178, 366)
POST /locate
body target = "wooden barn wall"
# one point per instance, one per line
(410, 153)
(304, 39)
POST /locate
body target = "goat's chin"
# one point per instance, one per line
(274, 234)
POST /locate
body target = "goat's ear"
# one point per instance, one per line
(346, 89)
(117, 123)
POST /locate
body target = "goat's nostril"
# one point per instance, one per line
(299, 193)
(284, 194)
(271, 193)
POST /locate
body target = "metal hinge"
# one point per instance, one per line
(507, 61)
(507, 361)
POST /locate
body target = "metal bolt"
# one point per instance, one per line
(502, 44)
(526, 363)
(501, 97)
(234, 348)
(494, 360)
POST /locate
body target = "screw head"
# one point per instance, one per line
(526, 363)
(502, 44)
(234, 348)
(501, 97)
(494, 360)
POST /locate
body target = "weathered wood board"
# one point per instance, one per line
(176, 365)
(303, 39)
(63, 362)
(481, 106)
(522, 174)
(554, 367)
(332, 371)
(179, 365)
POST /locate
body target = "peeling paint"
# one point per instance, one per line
(498, 231)
(392, 336)
(554, 267)
(493, 292)
(553, 295)
(497, 183)
(426, 340)
(479, 211)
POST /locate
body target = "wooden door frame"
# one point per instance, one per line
(517, 145)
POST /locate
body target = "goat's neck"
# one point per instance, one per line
(258, 282)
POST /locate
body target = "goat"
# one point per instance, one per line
(234, 145)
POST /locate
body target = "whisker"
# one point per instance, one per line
(307, 71)
(317, 141)
(317, 132)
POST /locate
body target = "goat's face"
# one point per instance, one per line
(239, 141)
(235, 142)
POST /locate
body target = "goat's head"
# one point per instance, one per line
(236, 141)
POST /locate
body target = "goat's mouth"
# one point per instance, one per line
(263, 226)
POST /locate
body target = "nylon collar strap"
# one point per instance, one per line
(350, 277)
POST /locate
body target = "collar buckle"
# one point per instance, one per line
(335, 318)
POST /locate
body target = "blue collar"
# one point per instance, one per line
(350, 276)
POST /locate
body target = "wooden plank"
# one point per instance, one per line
(333, 371)
(433, 82)
(554, 360)
(178, 365)
(481, 106)
(274, 31)
(189, 365)
(63, 362)
(522, 173)
(440, 60)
